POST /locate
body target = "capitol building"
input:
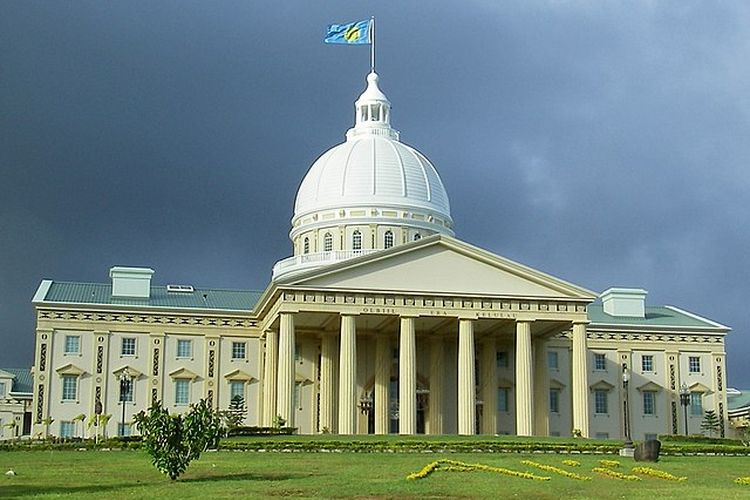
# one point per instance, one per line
(381, 321)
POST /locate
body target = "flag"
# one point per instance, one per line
(356, 33)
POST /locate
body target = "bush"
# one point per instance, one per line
(260, 431)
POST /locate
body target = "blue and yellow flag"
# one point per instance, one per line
(356, 33)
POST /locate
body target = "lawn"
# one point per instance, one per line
(227, 474)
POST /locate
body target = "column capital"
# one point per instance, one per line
(583, 322)
(524, 320)
(344, 314)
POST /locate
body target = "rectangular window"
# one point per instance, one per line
(694, 364)
(72, 344)
(182, 392)
(600, 402)
(297, 356)
(2, 389)
(649, 403)
(70, 388)
(184, 348)
(502, 399)
(238, 350)
(650, 437)
(696, 404)
(600, 362)
(647, 363)
(554, 400)
(123, 429)
(602, 435)
(236, 388)
(552, 360)
(127, 389)
(501, 359)
(67, 429)
(127, 347)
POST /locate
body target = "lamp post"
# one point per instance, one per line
(627, 449)
(124, 391)
(685, 402)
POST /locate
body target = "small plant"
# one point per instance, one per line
(279, 421)
(173, 441)
(235, 415)
(577, 433)
(710, 422)
(325, 430)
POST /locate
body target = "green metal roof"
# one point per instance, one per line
(736, 401)
(656, 316)
(22, 381)
(200, 298)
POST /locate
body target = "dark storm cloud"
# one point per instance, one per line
(603, 143)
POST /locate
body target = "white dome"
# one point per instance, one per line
(373, 171)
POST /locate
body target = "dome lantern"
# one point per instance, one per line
(372, 112)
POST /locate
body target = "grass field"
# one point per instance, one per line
(226, 474)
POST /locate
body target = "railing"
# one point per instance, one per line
(311, 260)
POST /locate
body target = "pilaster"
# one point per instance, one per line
(541, 388)
(382, 383)
(488, 384)
(437, 370)
(270, 377)
(328, 356)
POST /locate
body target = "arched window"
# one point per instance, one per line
(327, 242)
(356, 240)
(417, 237)
(307, 246)
(388, 239)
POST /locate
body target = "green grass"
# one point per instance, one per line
(226, 474)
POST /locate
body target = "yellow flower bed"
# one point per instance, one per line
(614, 474)
(572, 463)
(455, 466)
(743, 480)
(609, 463)
(648, 471)
(556, 470)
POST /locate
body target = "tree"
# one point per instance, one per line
(13, 426)
(235, 415)
(80, 418)
(173, 441)
(710, 422)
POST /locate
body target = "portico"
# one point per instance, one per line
(423, 361)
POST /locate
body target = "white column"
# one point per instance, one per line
(488, 383)
(541, 389)
(524, 386)
(437, 369)
(382, 384)
(466, 378)
(285, 402)
(580, 380)
(348, 376)
(407, 378)
(269, 377)
(328, 355)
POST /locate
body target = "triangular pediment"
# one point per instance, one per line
(556, 384)
(440, 264)
(240, 376)
(698, 387)
(602, 385)
(132, 372)
(70, 369)
(650, 387)
(183, 373)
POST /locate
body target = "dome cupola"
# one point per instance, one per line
(366, 194)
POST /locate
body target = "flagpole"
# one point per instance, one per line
(372, 44)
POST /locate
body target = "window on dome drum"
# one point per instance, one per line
(306, 248)
(238, 350)
(502, 399)
(694, 364)
(67, 429)
(184, 348)
(501, 359)
(696, 404)
(552, 360)
(600, 362)
(236, 388)
(647, 363)
(554, 400)
(356, 240)
(388, 239)
(182, 392)
(127, 346)
(600, 402)
(69, 388)
(72, 344)
(649, 403)
(327, 242)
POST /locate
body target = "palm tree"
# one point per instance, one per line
(80, 418)
(47, 422)
(13, 426)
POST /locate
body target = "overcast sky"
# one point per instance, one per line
(605, 143)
